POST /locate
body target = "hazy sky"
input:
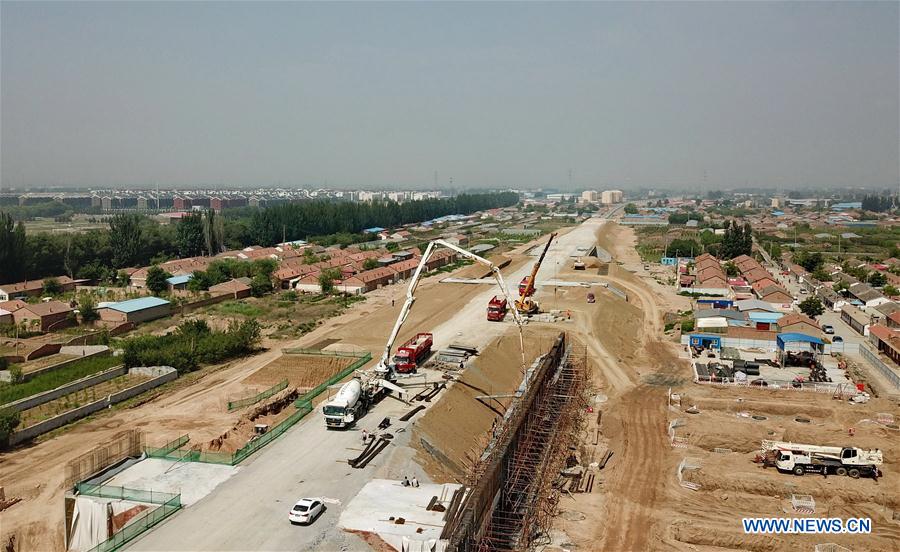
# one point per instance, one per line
(505, 94)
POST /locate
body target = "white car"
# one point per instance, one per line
(305, 511)
(828, 328)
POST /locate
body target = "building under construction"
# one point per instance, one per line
(511, 495)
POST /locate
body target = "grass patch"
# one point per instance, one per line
(14, 391)
(238, 308)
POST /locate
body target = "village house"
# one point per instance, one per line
(45, 316)
(238, 288)
(799, 323)
(135, 311)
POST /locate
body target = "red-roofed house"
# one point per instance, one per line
(886, 341)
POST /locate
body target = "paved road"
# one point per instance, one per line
(249, 511)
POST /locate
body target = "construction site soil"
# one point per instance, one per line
(638, 503)
(453, 433)
(301, 371)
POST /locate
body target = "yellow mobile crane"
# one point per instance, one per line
(525, 304)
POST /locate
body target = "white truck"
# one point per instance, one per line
(798, 459)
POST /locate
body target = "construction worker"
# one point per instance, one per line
(414, 482)
(365, 436)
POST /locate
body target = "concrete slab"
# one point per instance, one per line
(193, 480)
(381, 499)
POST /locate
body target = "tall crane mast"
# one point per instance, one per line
(525, 304)
(384, 366)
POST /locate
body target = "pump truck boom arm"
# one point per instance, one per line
(384, 364)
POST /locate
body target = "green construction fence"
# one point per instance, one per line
(173, 450)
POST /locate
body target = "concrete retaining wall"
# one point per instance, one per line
(82, 411)
(47, 396)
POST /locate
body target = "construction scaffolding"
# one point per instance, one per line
(123, 445)
(512, 498)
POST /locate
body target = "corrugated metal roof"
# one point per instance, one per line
(178, 280)
(134, 305)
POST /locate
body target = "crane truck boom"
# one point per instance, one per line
(525, 304)
(798, 459)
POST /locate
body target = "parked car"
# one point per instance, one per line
(759, 382)
(305, 511)
(828, 328)
(837, 339)
(803, 291)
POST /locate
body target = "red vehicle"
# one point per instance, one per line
(412, 353)
(523, 285)
(496, 309)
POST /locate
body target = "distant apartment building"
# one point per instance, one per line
(370, 196)
(609, 197)
(589, 196)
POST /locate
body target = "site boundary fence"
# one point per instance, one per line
(780, 385)
(139, 525)
(174, 451)
(171, 446)
(241, 403)
(124, 493)
(879, 365)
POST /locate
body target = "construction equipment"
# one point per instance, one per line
(496, 309)
(385, 369)
(578, 264)
(412, 353)
(358, 395)
(799, 459)
(525, 304)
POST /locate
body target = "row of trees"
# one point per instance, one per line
(135, 240)
(303, 220)
(193, 343)
(877, 203)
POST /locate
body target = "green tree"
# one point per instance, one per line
(327, 278)
(12, 249)
(9, 420)
(260, 284)
(809, 261)
(821, 274)
(631, 209)
(877, 279)
(213, 232)
(52, 286)
(812, 307)
(890, 291)
(87, 308)
(392, 246)
(190, 235)
(369, 264)
(156, 280)
(731, 269)
(125, 239)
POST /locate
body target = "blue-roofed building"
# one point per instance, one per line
(179, 282)
(373, 230)
(135, 310)
(846, 206)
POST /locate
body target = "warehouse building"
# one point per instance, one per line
(135, 310)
